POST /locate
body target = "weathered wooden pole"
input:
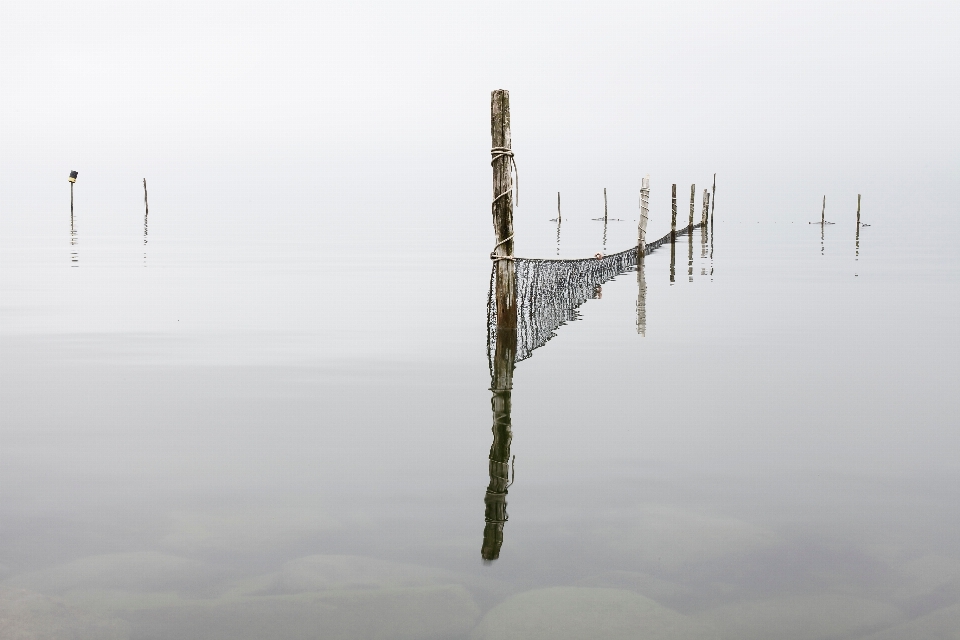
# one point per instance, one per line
(823, 211)
(604, 205)
(693, 195)
(673, 217)
(502, 254)
(559, 217)
(706, 208)
(644, 218)
(72, 178)
(858, 210)
(713, 195)
(146, 205)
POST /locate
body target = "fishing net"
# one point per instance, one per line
(549, 292)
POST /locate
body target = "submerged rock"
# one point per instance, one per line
(425, 613)
(666, 539)
(325, 572)
(811, 617)
(26, 615)
(575, 613)
(138, 571)
(943, 624)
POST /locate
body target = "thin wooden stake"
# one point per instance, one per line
(502, 153)
(604, 205)
(706, 208)
(823, 211)
(71, 201)
(858, 210)
(559, 217)
(146, 205)
(693, 195)
(713, 195)
(673, 218)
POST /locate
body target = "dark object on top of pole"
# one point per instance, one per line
(73, 176)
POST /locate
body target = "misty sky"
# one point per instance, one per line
(216, 81)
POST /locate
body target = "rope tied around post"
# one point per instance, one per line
(493, 254)
(506, 152)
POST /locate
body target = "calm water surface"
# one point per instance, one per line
(248, 435)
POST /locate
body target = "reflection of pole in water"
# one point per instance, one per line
(558, 236)
(74, 240)
(604, 235)
(501, 387)
(713, 219)
(703, 228)
(146, 215)
(673, 262)
(693, 195)
(641, 294)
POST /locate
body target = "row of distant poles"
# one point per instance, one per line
(72, 178)
(823, 214)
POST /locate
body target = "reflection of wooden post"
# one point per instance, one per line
(693, 195)
(495, 500)
(502, 157)
(641, 295)
(673, 261)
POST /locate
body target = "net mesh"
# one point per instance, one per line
(549, 292)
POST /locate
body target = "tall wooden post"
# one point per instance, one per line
(502, 159)
(673, 216)
(146, 205)
(823, 211)
(505, 295)
(858, 210)
(644, 218)
(713, 195)
(559, 217)
(693, 195)
(706, 208)
(604, 205)
(71, 200)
